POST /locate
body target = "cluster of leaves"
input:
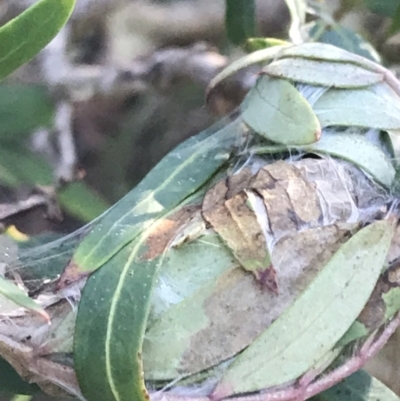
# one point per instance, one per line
(121, 248)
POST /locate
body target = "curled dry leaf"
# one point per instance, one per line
(286, 217)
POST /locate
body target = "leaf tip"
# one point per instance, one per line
(318, 133)
(71, 274)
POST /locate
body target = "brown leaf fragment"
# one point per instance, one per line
(214, 197)
(254, 246)
(394, 251)
(373, 313)
(51, 377)
(299, 257)
(393, 275)
(71, 274)
(194, 228)
(263, 179)
(291, 201)
(302, 193)
(237, 224)
(238, 182)
(267, 279)
(165, 230)
(238, 311)
(281, 216)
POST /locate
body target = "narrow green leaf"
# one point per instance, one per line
(356, 330)
(327, 52)
(23, 108)
(20, 166)
(322, 73)
(240, 20)
(255, 44)
(44, 257)
(377, 106)
(24, 36)
(340, 36)
(81, 201)
(276, 110)
(360, 386)
(358, 150)
(11, 382)
(110, 326)
(177, 176)
(311, 327)
(260, 56)
(19, 297)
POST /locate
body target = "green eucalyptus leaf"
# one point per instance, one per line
(24, 36)
(340, 36)
(377, 106)
(111, 322)
(357, 330)
(11, 382)
(20, 166)
(311, 327)
(182, 172)
(276, 110)
(360, 386)
(81, 201)
(260, 56)
(327, 52)
(23, 108)
(240, 20)
(322, 73)
(357, 149)
(44, 257)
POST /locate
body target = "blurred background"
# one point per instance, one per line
(118, 88)
(123, 84)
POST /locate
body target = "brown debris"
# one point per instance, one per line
(71, 274)
(267, 279)
(237, 224)
(165, 230)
